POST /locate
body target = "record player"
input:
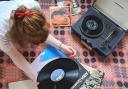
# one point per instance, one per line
(103, 26)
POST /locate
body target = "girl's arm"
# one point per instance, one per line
(53, 41)
(56, 43)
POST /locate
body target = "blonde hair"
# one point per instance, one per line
(30, 28)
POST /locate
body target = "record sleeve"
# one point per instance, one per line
(60, 16)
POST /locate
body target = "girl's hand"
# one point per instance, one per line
(68, 50)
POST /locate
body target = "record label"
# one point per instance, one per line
(57, 75)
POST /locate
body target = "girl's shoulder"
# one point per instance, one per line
(29, 3)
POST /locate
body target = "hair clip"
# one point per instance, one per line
(22, 14)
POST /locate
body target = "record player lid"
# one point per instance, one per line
(116, 10)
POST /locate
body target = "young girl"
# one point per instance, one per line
(22, 23)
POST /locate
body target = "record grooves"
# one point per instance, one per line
(92, 26)
(58, 74)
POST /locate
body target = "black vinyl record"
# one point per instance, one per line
(58, 74)
(92, 26)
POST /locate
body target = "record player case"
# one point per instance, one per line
(107, 15)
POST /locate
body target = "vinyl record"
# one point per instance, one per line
(92, 26)
(58, 74)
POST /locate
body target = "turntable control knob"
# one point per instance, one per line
(102, 47)
(108, 26)
(109, 46)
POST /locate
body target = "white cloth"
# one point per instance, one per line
(5, 10)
